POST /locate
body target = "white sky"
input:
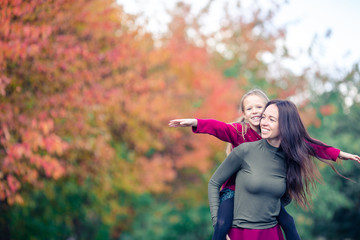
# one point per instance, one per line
(305, 18)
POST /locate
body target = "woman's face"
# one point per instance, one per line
(269, 125)
(253, 106)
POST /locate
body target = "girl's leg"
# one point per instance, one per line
(287, 223)
(224, 219)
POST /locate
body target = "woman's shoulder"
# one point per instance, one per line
(246, 146)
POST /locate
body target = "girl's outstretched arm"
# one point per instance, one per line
(184, 122)
(226, 132)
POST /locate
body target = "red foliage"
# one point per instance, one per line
(327, 110)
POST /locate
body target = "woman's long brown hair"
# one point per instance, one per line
(302, 173)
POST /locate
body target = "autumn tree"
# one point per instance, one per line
(86, 95)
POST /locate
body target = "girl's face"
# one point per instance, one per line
(270, 125)
(253, 107)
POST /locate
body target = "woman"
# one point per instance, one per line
(280, 162)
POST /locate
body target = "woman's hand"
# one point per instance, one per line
(349, 156)
(227, 237)
(185, 122)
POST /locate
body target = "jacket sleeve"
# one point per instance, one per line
(231, 165)
(224, 131)
(326, 152)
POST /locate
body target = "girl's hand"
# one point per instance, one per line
(227, 237)
(349, 156)
(185, 122)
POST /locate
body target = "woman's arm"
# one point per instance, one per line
(231, 165)
(223, 131)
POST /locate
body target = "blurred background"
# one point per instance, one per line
(87, 88)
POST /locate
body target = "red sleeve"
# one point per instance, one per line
(223, 131)
(324, 152)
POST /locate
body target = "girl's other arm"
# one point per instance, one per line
(349, 156)
(331, 153)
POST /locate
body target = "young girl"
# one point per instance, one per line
(251, 105)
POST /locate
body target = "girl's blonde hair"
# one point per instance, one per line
(242, 119)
